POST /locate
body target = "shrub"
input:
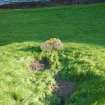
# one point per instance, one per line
(49, 57)
(52, 44)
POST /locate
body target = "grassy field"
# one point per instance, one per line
(81, 28)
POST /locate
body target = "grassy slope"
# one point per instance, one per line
(82, 28)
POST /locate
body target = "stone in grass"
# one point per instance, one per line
(63, 89)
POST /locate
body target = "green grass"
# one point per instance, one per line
(82, 28)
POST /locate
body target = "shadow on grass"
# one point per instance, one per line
(31, 49)
(90, 88)
(90, 39)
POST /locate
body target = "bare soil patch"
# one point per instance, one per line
(39, 65)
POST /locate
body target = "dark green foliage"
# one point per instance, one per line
(53, 58)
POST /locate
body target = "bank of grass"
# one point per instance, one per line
(82, 30)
